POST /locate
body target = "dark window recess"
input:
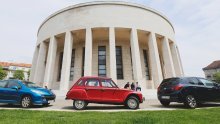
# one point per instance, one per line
(146, 63)
(83, 61)
(132, 72)
(72, 65)
(102, 61)
(60, 66)
(119, 63)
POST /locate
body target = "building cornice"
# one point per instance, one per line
(105, 3)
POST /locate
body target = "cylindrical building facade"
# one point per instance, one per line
(125, 41)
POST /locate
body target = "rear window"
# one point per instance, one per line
(80, 83)
(172, 81)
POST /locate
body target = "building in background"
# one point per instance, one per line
(211, 69)
(125, 41)
(11, 67)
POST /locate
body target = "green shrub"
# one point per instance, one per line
(18, 74)
(3, 73)
(217, 77)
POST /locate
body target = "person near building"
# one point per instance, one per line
(132, 86)
(138, 88)
(127, 86)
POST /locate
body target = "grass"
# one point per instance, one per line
(198, 116)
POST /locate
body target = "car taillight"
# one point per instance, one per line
(158, 89)
(177, 87)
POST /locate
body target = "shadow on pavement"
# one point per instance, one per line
(182, 106)
(18, 106)
(98, 107)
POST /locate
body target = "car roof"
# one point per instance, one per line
(85, 77)
(184, 77)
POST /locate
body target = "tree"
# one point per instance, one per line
(28, 73)
(18, 74)
(217, 77)
(3, 73)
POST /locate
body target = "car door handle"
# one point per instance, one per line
(209, 89)
(86, 89)
(102, 90)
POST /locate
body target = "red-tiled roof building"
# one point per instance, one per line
(211, 69)
(11, 67)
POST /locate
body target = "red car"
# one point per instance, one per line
(102, 90)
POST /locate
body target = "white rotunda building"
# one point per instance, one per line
(125, 41)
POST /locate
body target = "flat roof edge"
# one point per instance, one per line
(105, 3)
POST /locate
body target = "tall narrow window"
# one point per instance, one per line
(83, 60)
(60, 66)
(131, 65)
(145, 53)
(102, 61)
(72, 65)
(119, 63)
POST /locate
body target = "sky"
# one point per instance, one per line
(196, 24)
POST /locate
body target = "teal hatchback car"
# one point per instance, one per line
(24, 93)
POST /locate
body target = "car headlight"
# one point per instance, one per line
(38, 92)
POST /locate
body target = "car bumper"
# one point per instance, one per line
(173, 97)
(44, 100)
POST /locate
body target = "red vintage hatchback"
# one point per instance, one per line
(103, 91)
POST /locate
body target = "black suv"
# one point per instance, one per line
(188, 90)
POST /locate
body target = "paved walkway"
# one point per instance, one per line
(66, 105)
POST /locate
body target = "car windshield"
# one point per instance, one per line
(108, 83)
(31, 84)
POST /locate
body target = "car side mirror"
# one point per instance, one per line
(200, 83)
(14, 87)
(216, 85)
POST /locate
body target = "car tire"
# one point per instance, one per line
(165, 103)
(26, 102)
(132, 102)
(79, 104)
(191, 102)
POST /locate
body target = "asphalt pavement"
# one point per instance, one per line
(66, 105)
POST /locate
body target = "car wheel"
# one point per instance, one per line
(79, 104)
(191, 102)
(165, 103)
(26, 102)
(132, 103)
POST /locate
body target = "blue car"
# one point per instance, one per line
(24, 93)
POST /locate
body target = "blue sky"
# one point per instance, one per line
(196, 23)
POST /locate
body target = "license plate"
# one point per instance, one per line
(51, 101)
(165, 97)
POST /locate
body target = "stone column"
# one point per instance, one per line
(135, 54)
(168, 60)
(88, 53)
(40, 67)
(113, 74)
(181, 65)
(51, 58)
(154, 60)
(176, 60)
(34, 63)
(67, 53)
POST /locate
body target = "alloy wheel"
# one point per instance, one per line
(79, 104)
(132, 103)
(191, 101)
(26, 102)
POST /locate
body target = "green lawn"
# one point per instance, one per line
(199, 116)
